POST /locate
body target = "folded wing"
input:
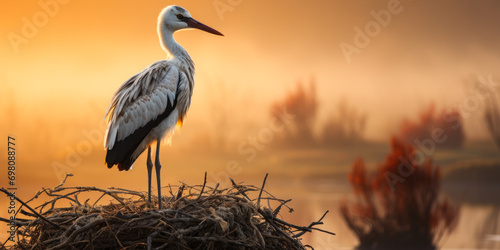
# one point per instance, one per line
(138, 106)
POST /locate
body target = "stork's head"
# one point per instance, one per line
(176, 18)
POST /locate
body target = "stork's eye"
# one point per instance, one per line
(180, 16)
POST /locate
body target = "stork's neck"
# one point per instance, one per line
(176, 52)
(173, 49)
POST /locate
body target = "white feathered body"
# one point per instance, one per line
(146, 108)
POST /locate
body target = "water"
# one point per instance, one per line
(306, 177)
(477, 228)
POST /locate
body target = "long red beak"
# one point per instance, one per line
(197, 25)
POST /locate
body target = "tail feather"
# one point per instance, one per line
(121, 155)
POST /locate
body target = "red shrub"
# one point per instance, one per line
(398, 206)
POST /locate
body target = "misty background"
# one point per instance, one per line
(428, 61)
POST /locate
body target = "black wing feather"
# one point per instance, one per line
(122, 151)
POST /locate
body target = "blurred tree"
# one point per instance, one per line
(346, 127)
(449, 122)
(398, 207)
(302, 103)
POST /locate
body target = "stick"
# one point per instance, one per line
(314, 224)
(262, 188)
(64, 181)
(278, 209)
(239, 190)
(215, 189)
(26, 205)
(203, 188)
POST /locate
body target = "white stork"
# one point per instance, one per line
(152, 103)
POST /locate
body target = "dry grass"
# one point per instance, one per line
(194, 217)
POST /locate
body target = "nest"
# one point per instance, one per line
(194, 217)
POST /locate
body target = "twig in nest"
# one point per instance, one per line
(278, 209)
(179, 192)
(26, 205)
(261, 189)
(215, 188)
(63, 181)
(203, 188)
(319, 222)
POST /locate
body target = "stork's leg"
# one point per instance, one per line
(149, 164)
(158, 167)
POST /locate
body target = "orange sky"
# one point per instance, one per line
(59, 81)
(81, 51)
